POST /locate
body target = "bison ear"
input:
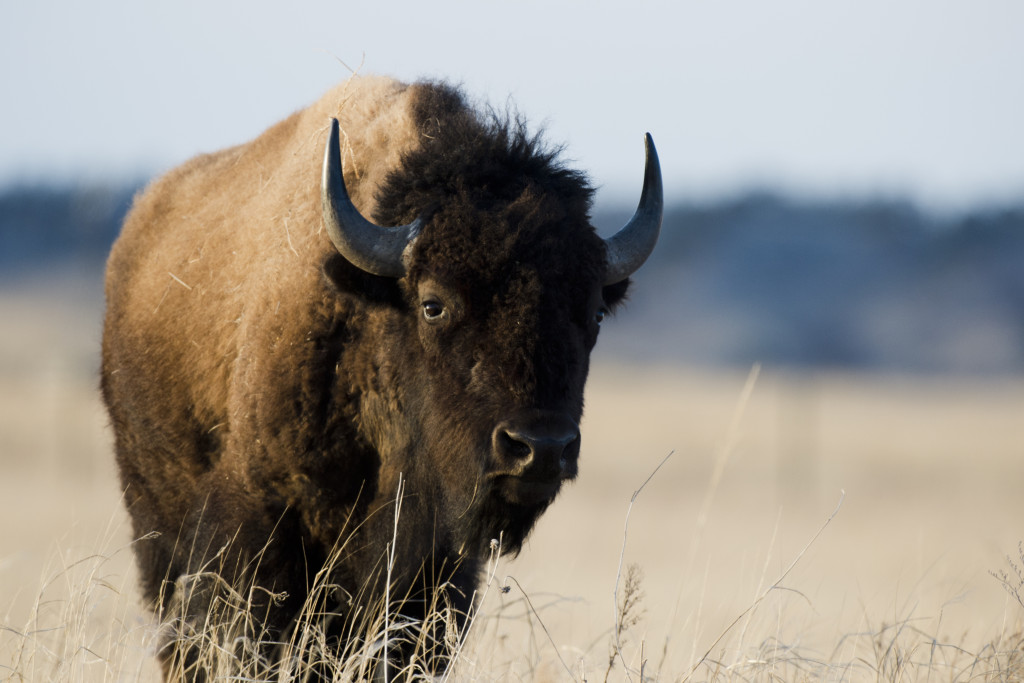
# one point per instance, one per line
(347, 278)
(615, 294)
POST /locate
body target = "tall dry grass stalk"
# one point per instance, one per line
(84, 624)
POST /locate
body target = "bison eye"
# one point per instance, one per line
(433, 311)
(600, 315)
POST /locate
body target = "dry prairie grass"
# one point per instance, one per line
(899, 586)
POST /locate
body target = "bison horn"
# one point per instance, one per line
(629, 247)
(375, 249)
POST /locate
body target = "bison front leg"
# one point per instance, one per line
(234, 585)
(426, 622)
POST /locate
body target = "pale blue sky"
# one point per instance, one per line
(819, 97)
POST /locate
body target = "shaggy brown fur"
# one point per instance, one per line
(266, 395)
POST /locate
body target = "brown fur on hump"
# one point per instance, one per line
(233, 246)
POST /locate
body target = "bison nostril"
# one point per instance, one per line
(514, 446)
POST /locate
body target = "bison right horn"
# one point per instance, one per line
(375, 249)
(629, 247)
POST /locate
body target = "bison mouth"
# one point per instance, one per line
(528, 492)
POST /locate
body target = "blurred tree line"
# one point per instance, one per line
(41, 226)
(759, 277)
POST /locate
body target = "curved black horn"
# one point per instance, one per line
(629, 247)
(369, 247)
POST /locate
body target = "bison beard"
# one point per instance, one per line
(286, 379)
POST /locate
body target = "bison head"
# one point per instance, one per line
(492, 291)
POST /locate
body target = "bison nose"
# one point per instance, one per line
(542, 447)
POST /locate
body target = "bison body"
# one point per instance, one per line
(272, 393)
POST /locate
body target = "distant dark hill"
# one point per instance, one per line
(872, 285)
(42, 226)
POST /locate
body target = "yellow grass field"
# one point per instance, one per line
(733, 579)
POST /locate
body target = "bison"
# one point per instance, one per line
(279, 367)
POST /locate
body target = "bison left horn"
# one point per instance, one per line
(628, 248)
(375, 249)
